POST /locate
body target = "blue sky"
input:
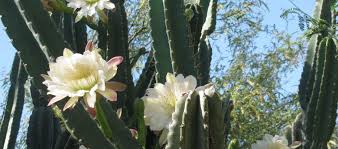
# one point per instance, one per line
(271, 17)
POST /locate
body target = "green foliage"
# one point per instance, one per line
(254, 82)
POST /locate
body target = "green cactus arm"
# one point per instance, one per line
(43, 129)
(160, 40)
(23, 40)
(327, 100)
(118, 46)
(210, 21)
(74, 33)
(42, 27)
(83, 127)
(15, 100)
(102, 39)
(196, 21)
(297, 127)
(216, 122)
(333, 106)
(65, 140)
(174, 134)
(181, 50)
(307, 76)
(204, 120)
(322, 11)
(101, 118)
(204, 61)
(120, 134)
(189, 129)
(80, 36)
(67, 29)
(146, 79)
(204, 48)
(204, 4)
(309, 119)
(141, 127)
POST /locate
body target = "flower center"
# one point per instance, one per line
(84, 83)
(170, 102)
(91, 2)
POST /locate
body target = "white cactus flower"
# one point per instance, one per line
(89, 7)
(271, 142)
(82, 75)
(160, 101)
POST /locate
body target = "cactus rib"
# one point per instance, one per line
(174, 128)
(160, 40)
(42, 27)
(181, 50)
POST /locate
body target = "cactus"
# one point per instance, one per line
(179, 45)
(15, 99)
(160, 40)
(318, 85)
(195, 125)
(297, 128)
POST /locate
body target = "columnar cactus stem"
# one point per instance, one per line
(15, 100)
(181, 50)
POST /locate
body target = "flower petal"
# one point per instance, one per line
(109, 5)
(46, 77)
(109, 94)
(90, 100)
(112, 70)
(116, 86)
(190, 82)
(71, 103)
(79, 16)
(115, 60)
(55, 99)
(112, 66)
(170, 78)
(67, 52)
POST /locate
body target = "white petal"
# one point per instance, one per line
(71, 103)
(101, 83)
(67, 52)
(109, 5)
(190, 82)
(100, 5)
(90, 100)
(55, 99)
(170, 78)
(112, 70)
(79, 16)
(155, 115)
